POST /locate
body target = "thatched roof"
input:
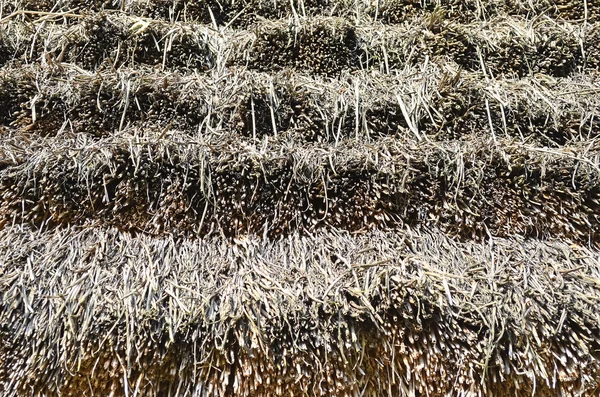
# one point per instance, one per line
(305, 198)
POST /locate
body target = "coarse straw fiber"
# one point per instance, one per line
(245, 12)
(441, 102)
(396, 312)
(324, 45)
(234, 188)
(303, 198)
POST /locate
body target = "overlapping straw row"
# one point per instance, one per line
(387, 313)
(242, 13)
(325, 46)
(183, 187)
(437, 103)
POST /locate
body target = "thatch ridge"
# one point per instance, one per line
(333, 313)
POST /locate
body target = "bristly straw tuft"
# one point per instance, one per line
(300, 198)
(329, 314)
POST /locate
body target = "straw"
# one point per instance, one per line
(397, 312)
(300, 198)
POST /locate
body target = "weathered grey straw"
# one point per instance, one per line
(386, 313)
(178, 186)
(299, 198)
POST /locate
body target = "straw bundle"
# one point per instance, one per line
(233, 188)
(390, 11)
(395, 11)
(387, 313)
(505, 45)
(301, 198)
(441, 102)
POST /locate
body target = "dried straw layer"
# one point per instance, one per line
(438, 102)
(244, 12)
(230, 187)
(324, 46)
(87, 311)
(342, 199)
